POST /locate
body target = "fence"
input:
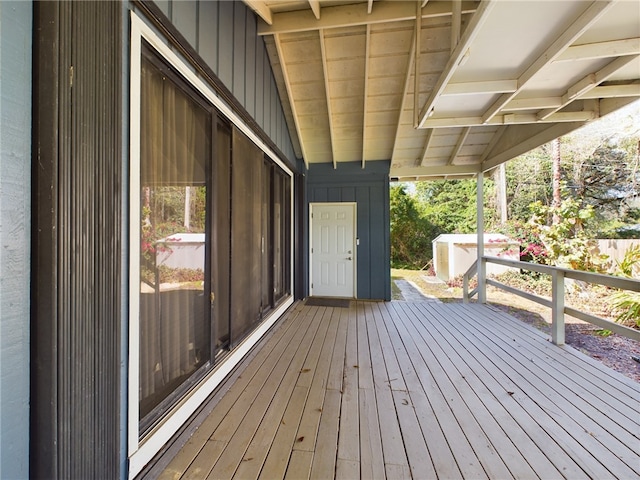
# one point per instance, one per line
(556, 303)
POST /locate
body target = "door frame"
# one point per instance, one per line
(354, 206)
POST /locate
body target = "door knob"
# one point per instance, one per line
(348, 258)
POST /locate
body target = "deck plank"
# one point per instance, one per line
(324, 458)
(415, 390)
(578, 415)
(274, 344)
(284, 375)
(533, 443)
(349, 438)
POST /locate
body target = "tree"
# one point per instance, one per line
(411, 233)
(451, 204)
(529, 180)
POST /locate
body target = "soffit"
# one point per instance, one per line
(494, 78)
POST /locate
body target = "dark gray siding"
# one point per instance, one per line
(77, 191)
(224, 34)
(368, 187)
(15, 189)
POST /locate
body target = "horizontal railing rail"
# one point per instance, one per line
(556, 303)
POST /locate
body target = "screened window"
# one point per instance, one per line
(175, 154)
(214, 238)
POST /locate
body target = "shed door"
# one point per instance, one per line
(333, 260)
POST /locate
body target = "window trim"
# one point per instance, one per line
(141, 450)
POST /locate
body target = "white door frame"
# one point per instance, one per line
(354, 206)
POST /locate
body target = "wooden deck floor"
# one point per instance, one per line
(416, 390)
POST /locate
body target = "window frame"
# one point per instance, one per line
(142, 449)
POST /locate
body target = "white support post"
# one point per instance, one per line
(481, 273)
(557, 308)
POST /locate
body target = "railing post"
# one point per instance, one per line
(465, 288)
(557, 307)
(482, 277)
(481, 270)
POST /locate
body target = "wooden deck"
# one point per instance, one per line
(416, 390)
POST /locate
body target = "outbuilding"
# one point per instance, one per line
(454, 253)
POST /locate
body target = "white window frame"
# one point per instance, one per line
(141, 451)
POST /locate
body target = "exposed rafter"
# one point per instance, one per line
(416, 64)
(456, 23)
(613, 48)
(422, 161)
(459, 144)
(437, 170)
(367, 54)
(292, 103)
(444, 83)
(492, 143)
(454, 60)
(483, 87)
(261, 8)
(327, 89)
(509, 119)
(568, 36)
(353, 15)
(405, 93)
(614, 91)
(588, 83)
(315, 8)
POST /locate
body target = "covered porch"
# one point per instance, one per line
(411, 390)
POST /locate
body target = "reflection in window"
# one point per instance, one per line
(175, 149)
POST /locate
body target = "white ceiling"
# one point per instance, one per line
(495, 78)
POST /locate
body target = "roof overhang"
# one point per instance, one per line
(494, 79)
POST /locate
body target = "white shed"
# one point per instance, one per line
(454, 253)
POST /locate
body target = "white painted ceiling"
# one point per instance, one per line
(495, 78)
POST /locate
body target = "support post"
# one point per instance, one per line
(481, 272)
(557, 308)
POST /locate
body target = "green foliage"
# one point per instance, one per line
(411, 232)
(603, 332)
(626, 302)
(451, 204)
(567, 241)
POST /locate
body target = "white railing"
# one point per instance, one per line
(558, 308)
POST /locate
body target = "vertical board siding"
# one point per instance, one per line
(76, 318)
(15, 188)
(224, 34)
(207, 36)
(240, 31)
(370, 189)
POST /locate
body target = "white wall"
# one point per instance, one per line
(15, 208)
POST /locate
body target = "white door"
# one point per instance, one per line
(333, 254)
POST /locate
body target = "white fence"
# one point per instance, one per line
(616, 248)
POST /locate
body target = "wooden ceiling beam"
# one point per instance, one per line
(353, 15)
(315, 8)
(367, 53)
(589, 51)
(292, 103)
(459, 52)
(588, 83)
(559, 45)
(482, 87)
(614, 91)
(261, 8)
(508, 119)
(436, 170)
(459, 144)
(327, 91)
